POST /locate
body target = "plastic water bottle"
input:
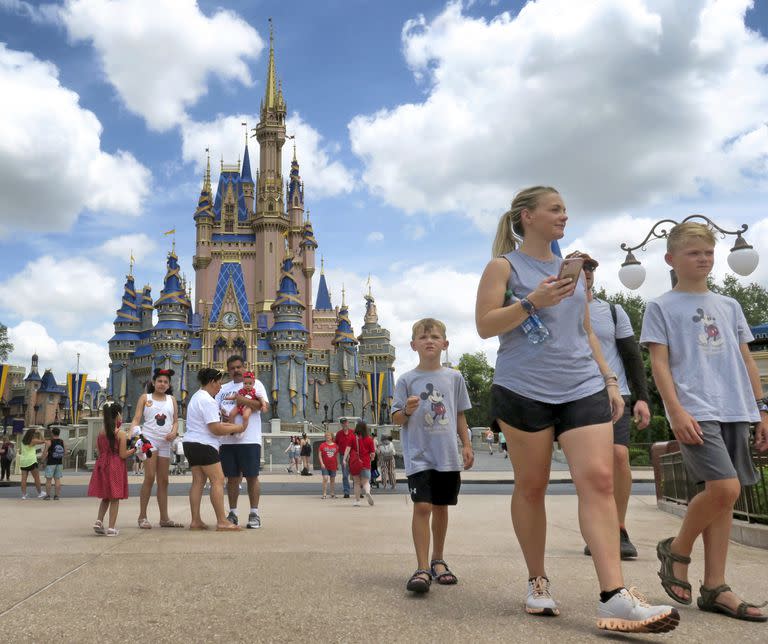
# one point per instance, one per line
(532, 326)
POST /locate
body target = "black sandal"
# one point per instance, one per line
(418, 583)
(667, 575)
(446, 578)
(707, 601)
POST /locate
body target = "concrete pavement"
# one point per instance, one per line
(319, 570)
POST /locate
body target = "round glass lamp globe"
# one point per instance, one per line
(632, 275)
(743, 260)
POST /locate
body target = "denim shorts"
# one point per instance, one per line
(54, 471)
(365, 473)
(331, 473)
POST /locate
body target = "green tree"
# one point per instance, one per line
(478, 375)
(6, 347)
(753, 297)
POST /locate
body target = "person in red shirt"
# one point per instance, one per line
(329, 452)
(344, 438)
(364, 447)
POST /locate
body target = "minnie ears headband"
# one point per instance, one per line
(248, 374)
(163, 372)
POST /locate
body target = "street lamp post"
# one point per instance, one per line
(743, 258)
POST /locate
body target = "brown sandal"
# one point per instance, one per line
(667, 575)
(707, 601)
(171, 524)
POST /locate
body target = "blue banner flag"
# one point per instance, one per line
(75, 392)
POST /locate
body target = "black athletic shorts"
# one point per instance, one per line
(531, 415)
(199, 454)
(437, 488)
(622, 426)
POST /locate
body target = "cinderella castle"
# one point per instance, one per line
(254, 265)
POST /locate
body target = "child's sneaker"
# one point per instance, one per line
(24, 497)
(42, 495)
(628, 611)
(369, 498)
(539, 600)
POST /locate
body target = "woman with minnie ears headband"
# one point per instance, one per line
(157, 415)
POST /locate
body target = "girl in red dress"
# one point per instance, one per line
(109, 480)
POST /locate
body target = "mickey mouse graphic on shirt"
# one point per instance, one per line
(160, 419)
(436, 411)
(710, 334)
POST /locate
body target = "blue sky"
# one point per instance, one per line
(416, 122)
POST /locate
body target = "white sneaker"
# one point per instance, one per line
(369, 498)
(42, 495)
(356, 504)
(630, 612)
(24, 497)
(539, 600)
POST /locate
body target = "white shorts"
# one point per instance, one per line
(160, 446)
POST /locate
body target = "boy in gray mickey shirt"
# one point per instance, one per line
(429, 403)
(711, 389)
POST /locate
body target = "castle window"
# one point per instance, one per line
(271, 207)
(260, 289)
(270, 247)
(229, 226)
(229, 209)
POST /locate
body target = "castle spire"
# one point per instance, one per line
(207, 179)
(270, 96)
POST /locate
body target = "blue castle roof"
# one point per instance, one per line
(128, 311)
(288, 293)
(48, 384)
(172, 292)
(230, 272)
(143, 350)
(323, 301)
(344, 331)
(245, 174)
(226, 179)
(760, 331)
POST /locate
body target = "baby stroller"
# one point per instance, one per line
(375, 472)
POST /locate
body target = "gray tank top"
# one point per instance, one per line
(561, 369)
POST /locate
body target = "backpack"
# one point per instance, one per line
(614, 317)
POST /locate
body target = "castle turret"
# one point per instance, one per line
(288, 339)
(377, 356)
(344, 340)
(246, 181)
(323, 315)
(122, 345)
(204, 221)
(270, 222)
(170, 336)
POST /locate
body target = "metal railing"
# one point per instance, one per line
(752, 504)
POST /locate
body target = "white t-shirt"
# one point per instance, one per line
(253, 433)
(202, 409)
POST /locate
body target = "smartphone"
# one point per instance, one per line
(571, 267)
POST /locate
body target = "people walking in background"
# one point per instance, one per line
(53, 455)
(357, 458)
(28, 461)
(551, 382)
(305, 452)
(292, 465)
(503, 444)
(157, 415)
(710, 384)
(386, 455)
(489, 440)
(329, 460)
(429, 403)
(613, 330)
(109, 479)
(344, 438)
(7, 454)
(201, 447)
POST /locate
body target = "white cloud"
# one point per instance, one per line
(322, 176)
(411, 292)
(51, 163)
(140, 244)
(40, 14)
(58, 355)
(375, 236)
(158, 54)
(66, 292)
(618, 103)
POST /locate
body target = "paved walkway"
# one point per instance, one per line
(319, 570)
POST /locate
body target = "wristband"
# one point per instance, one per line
(528, 306)
(612, 384)
(610, 376)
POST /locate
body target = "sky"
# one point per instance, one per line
(416, 122)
